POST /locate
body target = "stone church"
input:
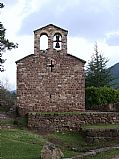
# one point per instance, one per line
(50, 80)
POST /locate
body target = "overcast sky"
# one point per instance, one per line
(87, 22)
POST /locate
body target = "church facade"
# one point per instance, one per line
(50, 80)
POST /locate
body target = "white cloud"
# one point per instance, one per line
(25, 48)
(80, 47)
(63, 5)
(112, 38)
(84, 49)
(13, 16)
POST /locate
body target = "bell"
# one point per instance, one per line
(57, 45)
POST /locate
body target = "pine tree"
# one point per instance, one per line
(5, 44)
(97, 74)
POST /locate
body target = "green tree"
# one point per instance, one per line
(97, 74)
(5, 44)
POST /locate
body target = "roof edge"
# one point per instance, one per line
(83, 61)
(23, 58)
(50, 25)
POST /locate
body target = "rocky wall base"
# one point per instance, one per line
(97, 135)
(69, 121)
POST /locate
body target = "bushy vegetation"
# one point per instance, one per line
(100, 96)
(8, 99)
(21, 121)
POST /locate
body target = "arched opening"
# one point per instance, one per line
(43, 42)
(57, 41)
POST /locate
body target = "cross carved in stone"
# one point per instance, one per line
(51, 66)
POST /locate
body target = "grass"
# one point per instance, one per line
(16, 143)
(70, 143)
(106, 155)
(6, 122)
(73, 144)
(23, 144)
(20, 144)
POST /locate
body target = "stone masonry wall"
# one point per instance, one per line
(69, 121)
(40, 90)
(92, 135)
(50, 80)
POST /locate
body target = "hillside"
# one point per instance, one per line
(115, 75)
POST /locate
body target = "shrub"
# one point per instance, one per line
(21, 121)
(8, 99)
(100, 96)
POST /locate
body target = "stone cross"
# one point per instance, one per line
(51, 66)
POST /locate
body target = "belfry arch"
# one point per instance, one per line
(43, 41)
(57, 41)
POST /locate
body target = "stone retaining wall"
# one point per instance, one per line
(96, 135)
(69, 121)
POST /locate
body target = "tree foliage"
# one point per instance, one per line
(100, 96)
(5, 44)
(97, 74)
